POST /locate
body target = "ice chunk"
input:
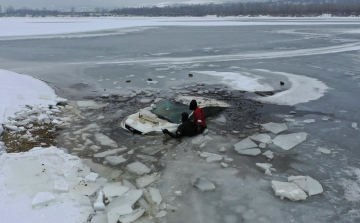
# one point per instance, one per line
(274, 127)
(288, 190)
(314, 186)
(114, 189)
(1, 129)
(263, 138)
(83, 104)
(145, 180)
(99, 218)
(137, 168)
(222, 149)
(300, 181)
(61, 186)
(133, 216)
(203, 184)
(155, 195)
(206, 154)
(244, 144)
(122, 205)
(84, 188)
(354, 125)
(288, 141)
(161, 214)
(146, 100)
(309, 121)
(129, 184)
(224, 165)
(249, 152)
(92, 177)
(115, 160)
(95, 147)
(110, 152)
(43, 199)
(269, 154)
(264, 166)
(214, 158)
(262, 145)
(99, 204)
(323, 150)
(104, 140)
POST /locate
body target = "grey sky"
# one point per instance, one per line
(77, 3)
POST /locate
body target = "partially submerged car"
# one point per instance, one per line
(166, 114)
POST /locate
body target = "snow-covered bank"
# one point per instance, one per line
(18, 90)
(49, 26)
(24, 175)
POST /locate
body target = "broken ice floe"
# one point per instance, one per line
(110, 152)
(115, 160)
(43, 199)
(263, 138)
(105, 140)
(145, 180)
(247, 147)
(114, 189)
(138, 168)
(203, 184)
(274, 127)
(307, 184)
(288, 190)
(155, 195)
(269, 154)
(289, 141)
(354, 125)
(267, 167)
(323, 150)
(309, 121)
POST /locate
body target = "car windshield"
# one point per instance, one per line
(171, 110)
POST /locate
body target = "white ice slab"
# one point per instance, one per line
(99, 218)
(274, 127)
(136, 214)
(122, 205)
(323, 150)
(214, 158)
(244, 144)
(206, 154)
(314, 186)
(222, 150)
(354, 125)
(115, 160)
(114, 189)
(289, 141)
(105, 140)
(110, 152)
(43, 199)
(269, 154)
(288, 190)
(221, 119)
(264, 166)
(161, 214)
(138, 168)
(309, 121)
(99, 204)
(249, 152)
(203, 184)
(262, 138)
(145, 180)
(92, 176)
(155, 195)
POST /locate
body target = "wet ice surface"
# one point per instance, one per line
(325, 54)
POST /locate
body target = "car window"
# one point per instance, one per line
(171, 110)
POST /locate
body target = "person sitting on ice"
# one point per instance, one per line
(198, 116)
(186, 128)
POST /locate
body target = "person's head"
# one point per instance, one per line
(184, 117)
(193, 105)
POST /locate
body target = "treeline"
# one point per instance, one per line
(279, 8)
(249, 9)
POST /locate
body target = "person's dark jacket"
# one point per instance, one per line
(186, 128)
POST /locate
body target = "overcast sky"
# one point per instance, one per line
(104, 3)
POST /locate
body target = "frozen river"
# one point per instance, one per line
(316, 58)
